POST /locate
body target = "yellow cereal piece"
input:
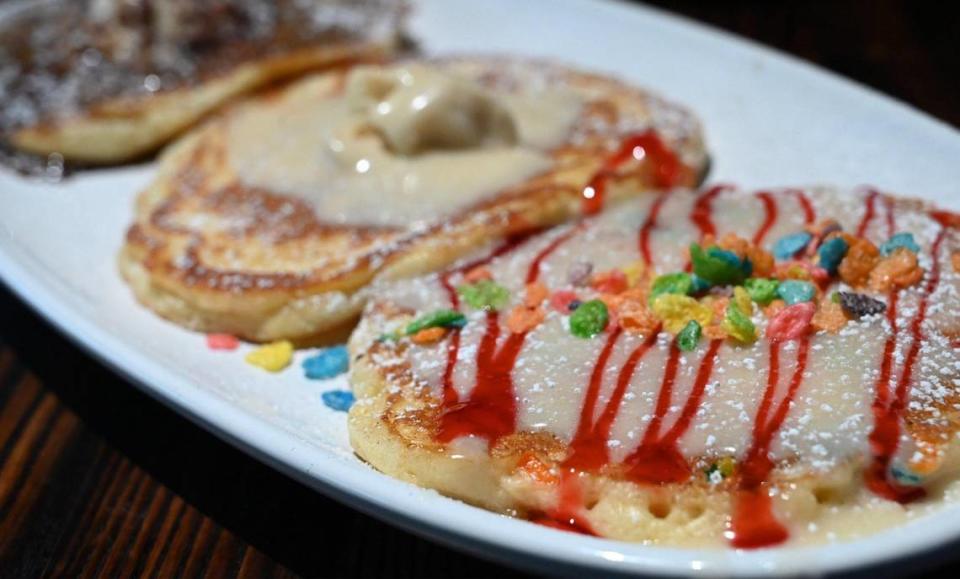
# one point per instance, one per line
(727, 465)
(677, 310)
(634, 272)
(742, 299)
(272, 357)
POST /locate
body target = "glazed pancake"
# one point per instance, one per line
(266, 223)
(105, 81)
(728, 367)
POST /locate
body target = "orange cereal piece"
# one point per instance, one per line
(898, 270)
(829, 317)
(635, 294)
(613, 302)
(610, 282)
(428, 336)
(719, 307)
(636, 317)
(714, 332)
(861, 258)
(734, 243)
(955, 259)
(762, 261)
(927, 459)
(792, 270)
(523, 319)
(774, 308)
(536, 469)
(478, 273)
(535, 294)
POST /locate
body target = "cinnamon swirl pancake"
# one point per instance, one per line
(107, 81)
(268, 222)
(734, 367)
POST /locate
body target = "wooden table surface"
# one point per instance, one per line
(97, 479)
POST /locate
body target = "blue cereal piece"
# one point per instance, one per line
(339, 400)
(897, 241)
(905, 476)
(328, 363)
(832, 252)
(794, 291)
(790, 245)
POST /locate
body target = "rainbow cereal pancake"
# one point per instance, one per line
(267, 222)
(729, 367)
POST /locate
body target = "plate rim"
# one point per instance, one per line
(469, 528)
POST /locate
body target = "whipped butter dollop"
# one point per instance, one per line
(399, 145)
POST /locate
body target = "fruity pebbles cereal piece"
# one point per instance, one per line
(791, 323)
(271, 357)
(327, 363)
(225, 342)
(898, 270)
(676, 310)
(861, 258)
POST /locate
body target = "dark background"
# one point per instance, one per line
(98, 479)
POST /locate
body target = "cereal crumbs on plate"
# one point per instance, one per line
(223, 342)
(327, 363)
(339, 400)
(271, 357)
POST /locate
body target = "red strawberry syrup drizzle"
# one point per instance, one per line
(754, 524)
(666, 170)
(888, 406)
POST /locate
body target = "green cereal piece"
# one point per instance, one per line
(589, 319)
(689, 336)
(437, 319)
(738, 325)
(671, 283)
(484, 295)
(719, 266)
(761, 290)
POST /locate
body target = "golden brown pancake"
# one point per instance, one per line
(269, 221)
(107, 81)
(602, 378)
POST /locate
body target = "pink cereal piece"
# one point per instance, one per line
(222, 342)
(560, 301)
(791, 323)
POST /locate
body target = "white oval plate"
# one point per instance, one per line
(770, 120)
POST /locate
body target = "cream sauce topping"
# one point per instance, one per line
(400, 145)
(830, 418)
